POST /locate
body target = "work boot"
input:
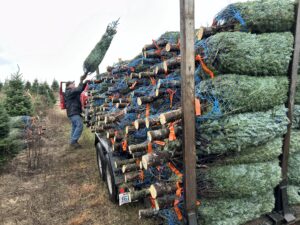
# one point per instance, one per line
(75, 145)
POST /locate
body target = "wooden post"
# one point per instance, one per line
(187, 29)
(281, 206)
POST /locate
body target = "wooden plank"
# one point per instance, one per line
(293, 78)
(281, 198)
(187, 29)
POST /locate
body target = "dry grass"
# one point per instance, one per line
(66, 189)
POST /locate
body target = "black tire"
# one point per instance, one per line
(101, 161)
(110, 183)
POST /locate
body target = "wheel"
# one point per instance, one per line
(101, 161)
(110, 182)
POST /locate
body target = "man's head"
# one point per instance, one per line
(70, 85)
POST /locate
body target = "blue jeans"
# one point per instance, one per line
(77, 127)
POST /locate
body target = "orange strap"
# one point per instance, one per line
(124, 146)
(133, 85)
(142, 176)
(155, 44)
(161, 143)
(178, 212)
(171, 94)
(174, 170)
(153, 81)
(197, 107)
(147, 114)
(172, 135)
(112, 141)
(149, 149)
(138, 162)
(204, 67)
(152, 202)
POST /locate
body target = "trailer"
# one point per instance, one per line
(122, 170)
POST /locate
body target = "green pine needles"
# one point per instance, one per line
(251, 54)
(96, 56)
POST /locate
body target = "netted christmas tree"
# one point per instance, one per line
(251, 54)
(16, 102)
(96, 56)
(258, 16)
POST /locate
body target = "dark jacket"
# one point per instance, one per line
(72, 100)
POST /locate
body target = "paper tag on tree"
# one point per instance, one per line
(124, 198)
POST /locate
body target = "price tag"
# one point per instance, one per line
(124, 198)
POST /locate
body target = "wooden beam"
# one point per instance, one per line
(281, 206)
(291, 100)
(187, 29)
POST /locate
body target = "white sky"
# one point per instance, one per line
(51, 38)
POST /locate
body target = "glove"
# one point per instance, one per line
(82, 78)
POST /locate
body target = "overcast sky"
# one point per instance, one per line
(51, 38)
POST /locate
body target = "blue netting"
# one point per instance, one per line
(229, 14)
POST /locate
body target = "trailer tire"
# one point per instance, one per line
(110, 182)
(101, 161)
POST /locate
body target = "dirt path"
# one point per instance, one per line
(64, 189)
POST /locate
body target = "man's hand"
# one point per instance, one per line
(82, 78)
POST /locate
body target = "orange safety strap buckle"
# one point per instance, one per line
(112, 141)
(204, 67)
(142, 176)
(171, 94)
(155, 44)
(133, 85)
(178, 212)
(149, 147)
(124, 146)
(147, 114)
(153, 81)
(161, 143)
(172, 135)
(174, 170)
(197, 107)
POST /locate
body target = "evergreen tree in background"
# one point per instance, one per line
(16, 102)
(4, 122)
(35, 87)
(55, 86)
(1, 86)
(47, 92)
(27, 85)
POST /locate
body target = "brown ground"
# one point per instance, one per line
(64, 188)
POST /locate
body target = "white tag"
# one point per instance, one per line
(124, 198)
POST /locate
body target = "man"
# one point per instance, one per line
(74, 109)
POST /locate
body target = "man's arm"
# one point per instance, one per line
(79, 89)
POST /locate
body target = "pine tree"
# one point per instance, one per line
(1, 86)
(27, 85)
(47, 92)
(16, 102)
(55, 86)
(35, 86)
(4, 122)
